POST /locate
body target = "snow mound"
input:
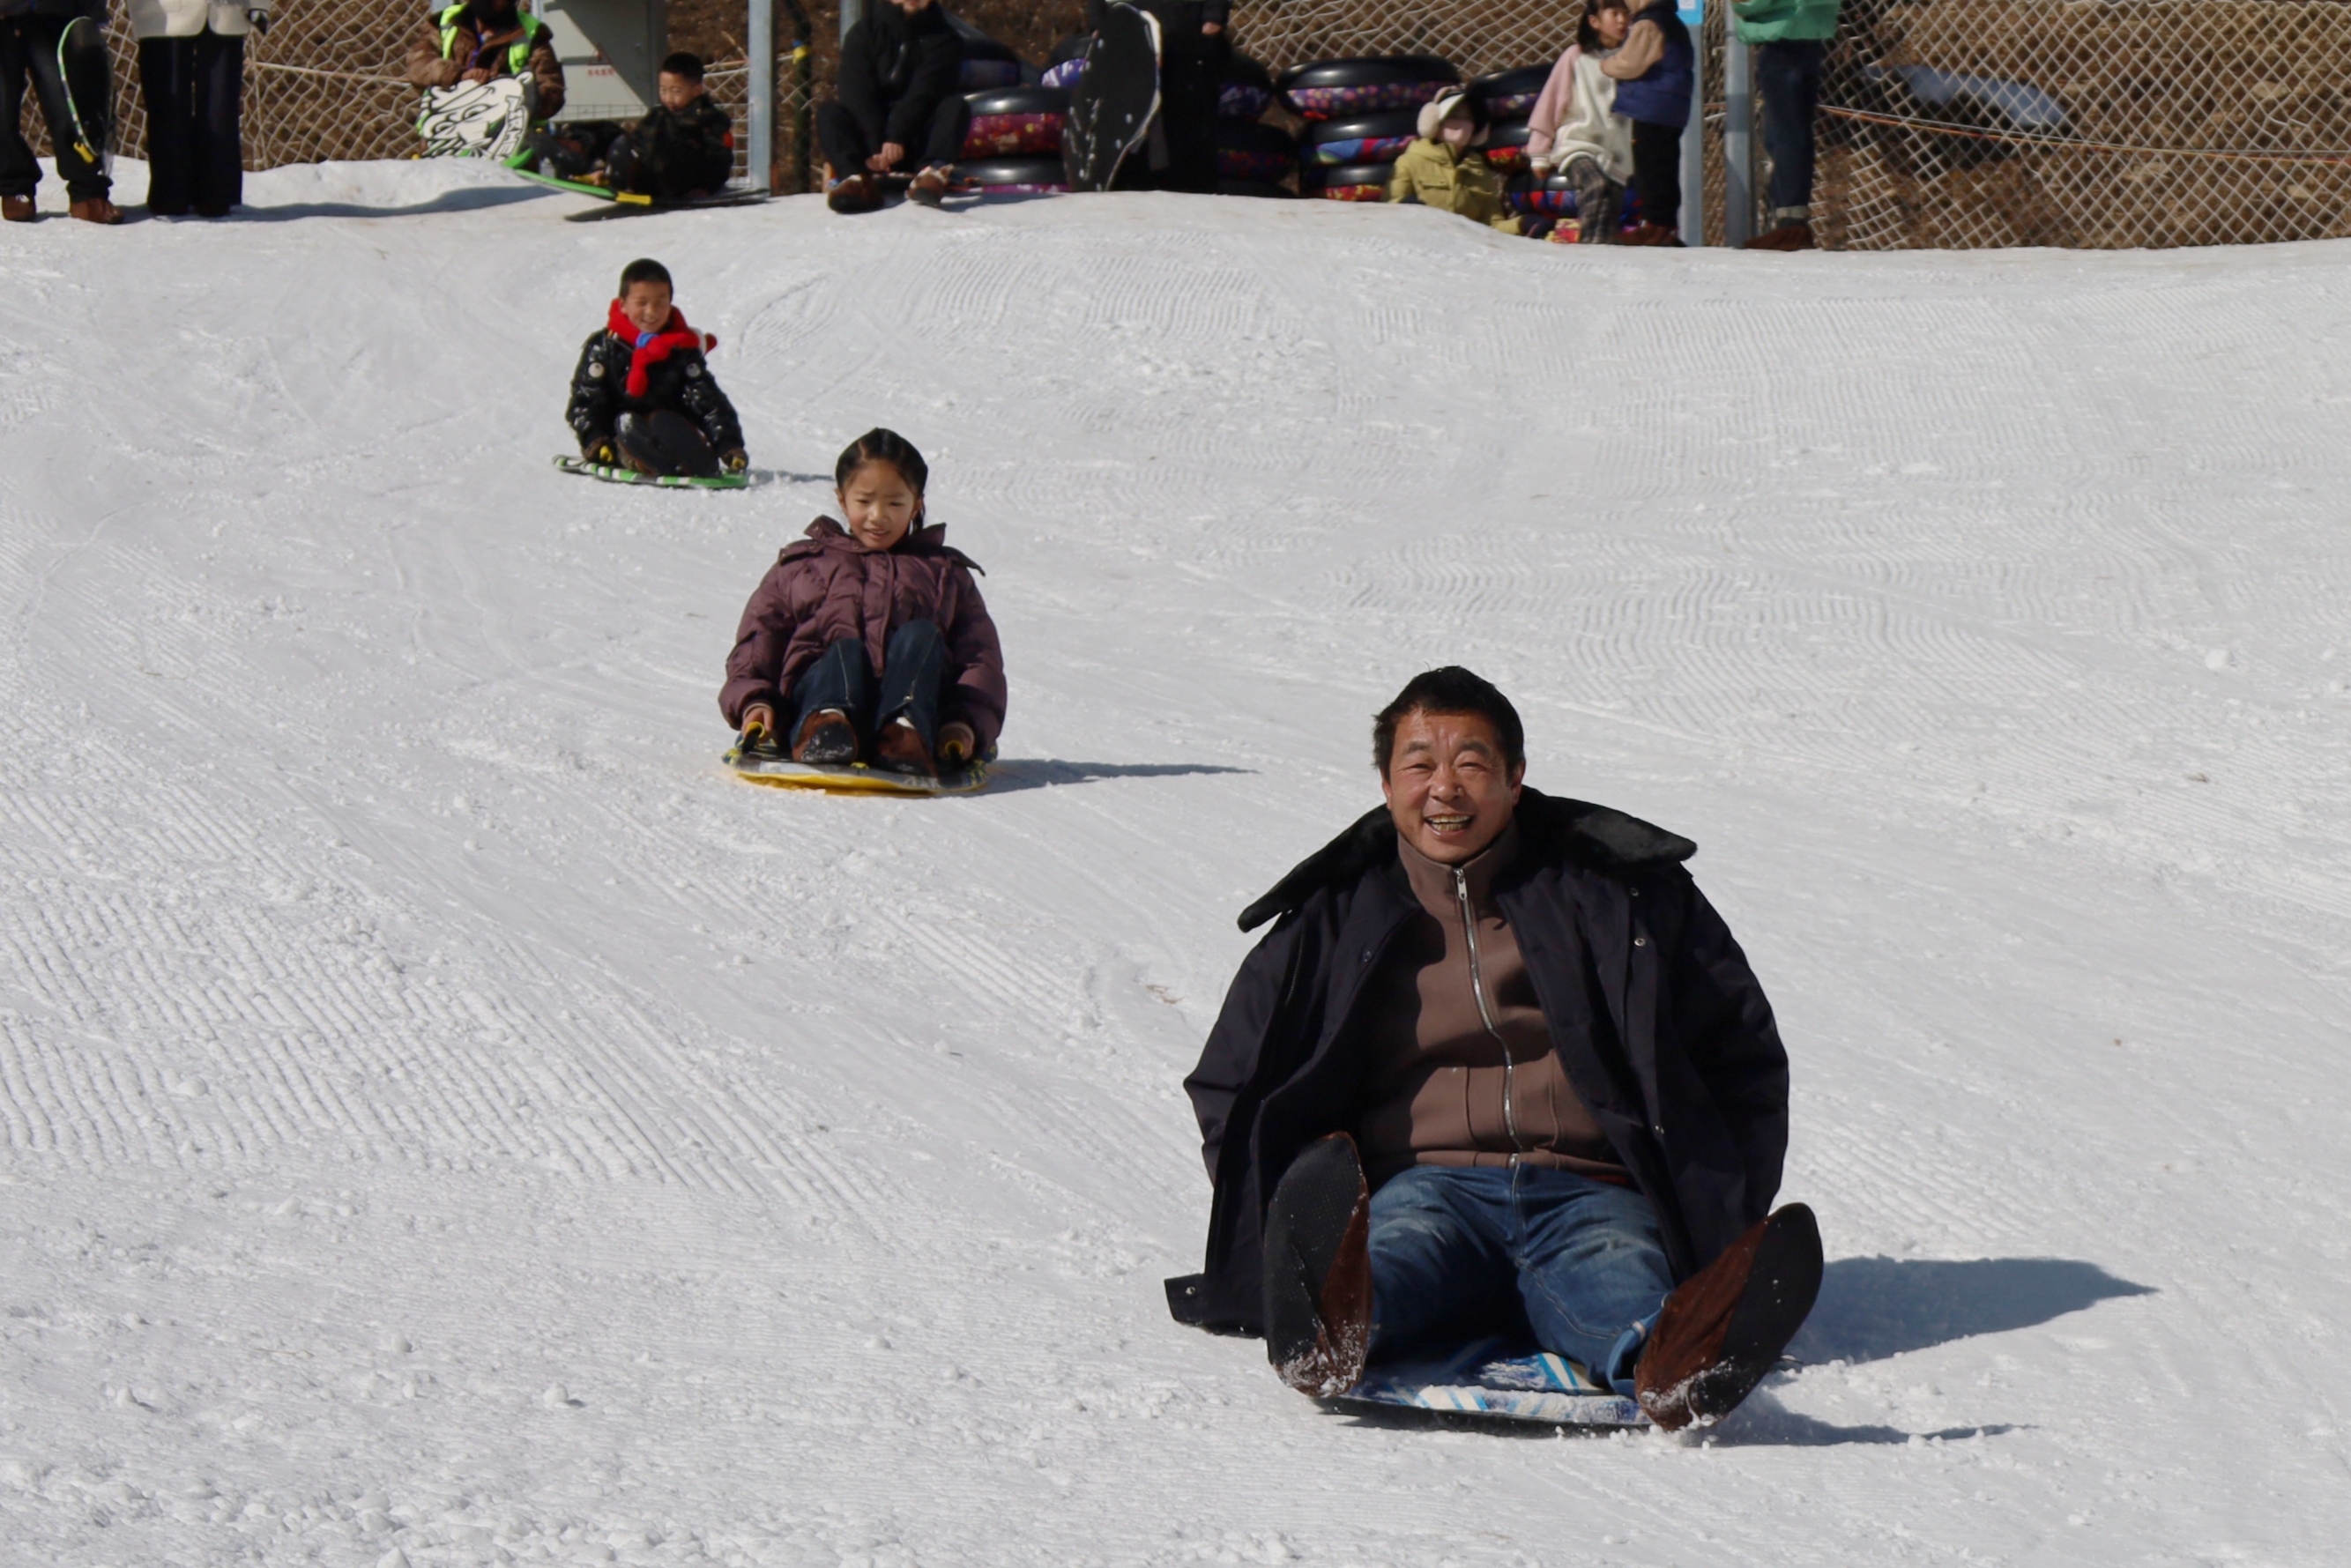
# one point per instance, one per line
(444, 1118)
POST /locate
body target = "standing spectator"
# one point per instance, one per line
(1192, 54)
(897, 91)
(481, 40)
(1655, 72)
(1789, 39)
(1587, 142)
(191, 79)
(30, 31)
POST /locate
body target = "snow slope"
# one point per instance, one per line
(445, 1119)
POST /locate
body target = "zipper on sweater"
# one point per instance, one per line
(1484, 1013)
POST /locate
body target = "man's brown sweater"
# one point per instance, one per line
(1462, 1069)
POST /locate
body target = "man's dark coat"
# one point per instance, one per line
(1685, 1072)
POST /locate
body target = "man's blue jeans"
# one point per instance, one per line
(1788, 75)
(1486, 1249)
(912, 678)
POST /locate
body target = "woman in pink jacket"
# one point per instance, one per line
(870, 636)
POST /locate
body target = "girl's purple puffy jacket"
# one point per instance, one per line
(827, 587)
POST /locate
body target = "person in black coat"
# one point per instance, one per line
(1194, 51)
(643, 394)
(685, 145)
(1582, 1143)
(31, 33)
(896, 106)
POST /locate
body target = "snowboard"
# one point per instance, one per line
(621, 204)
(474, 119)
(1494, 1379)
(615, 474)
(761, 765)
(1116, 101)
(88, 76)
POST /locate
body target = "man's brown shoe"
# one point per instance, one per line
(96, 210)
(1318, 1269)
(1797, 236)
(1653, 234)
(858, 194)
(16, 209)
(929, 186)
(825, 736)
(1723, 1330)
(900, 749)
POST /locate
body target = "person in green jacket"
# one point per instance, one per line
(1445, 169)
(1788, 40)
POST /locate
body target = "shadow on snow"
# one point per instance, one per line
(1043, 772)
(1872, 1308)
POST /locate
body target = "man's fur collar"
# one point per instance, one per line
(1589, 835)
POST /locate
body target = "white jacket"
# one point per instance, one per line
(1591, 127)
(186, 18)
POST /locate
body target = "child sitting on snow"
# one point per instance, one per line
(871, 637)
(1445, 169)
(682, 147)
(1588, 142)
(644, 396)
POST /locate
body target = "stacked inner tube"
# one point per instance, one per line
(1509, 97)
(1252, 158)
(1532, 196)
(1360, 115)
(1015, 122)
(1247, 89)
(987, 64)
(1022, 177)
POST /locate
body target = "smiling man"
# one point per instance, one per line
(1499, 1068)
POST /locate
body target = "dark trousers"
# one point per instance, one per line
(914, 676)
(193, 88)
(847, 146)
(1658, 172)
(28, 46)
(663, 441)
(1191, 76)
(1788, 75)
(663, 167)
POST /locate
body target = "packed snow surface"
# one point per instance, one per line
(446, 1119)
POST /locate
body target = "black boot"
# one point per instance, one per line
(1318, 1269)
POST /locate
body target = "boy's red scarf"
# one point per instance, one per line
(653, 348)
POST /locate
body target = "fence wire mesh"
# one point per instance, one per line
(328, 81)
(1943, 123)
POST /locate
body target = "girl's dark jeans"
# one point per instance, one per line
(912, 678)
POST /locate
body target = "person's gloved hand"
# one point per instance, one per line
(599, 452)
(956, 744)
(735, 462)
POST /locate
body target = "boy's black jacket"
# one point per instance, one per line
(599, 393)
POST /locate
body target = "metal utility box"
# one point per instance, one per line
(611, 51)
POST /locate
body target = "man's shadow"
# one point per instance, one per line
(1872, 1308)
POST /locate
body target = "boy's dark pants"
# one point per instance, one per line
(30, 44)
(847, 146)
(1658, 172)
(842, 677)
(193, 88)
(664, 442)
(1788, 77)
(666, 168)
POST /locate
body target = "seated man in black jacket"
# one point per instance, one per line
(897, 94)
(1498, 1067)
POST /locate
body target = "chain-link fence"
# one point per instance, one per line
(328, 81)
(1943, 123)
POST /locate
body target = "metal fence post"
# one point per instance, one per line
(763, 96)
(1691, 220)
(851, 13)
(1738, 140)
